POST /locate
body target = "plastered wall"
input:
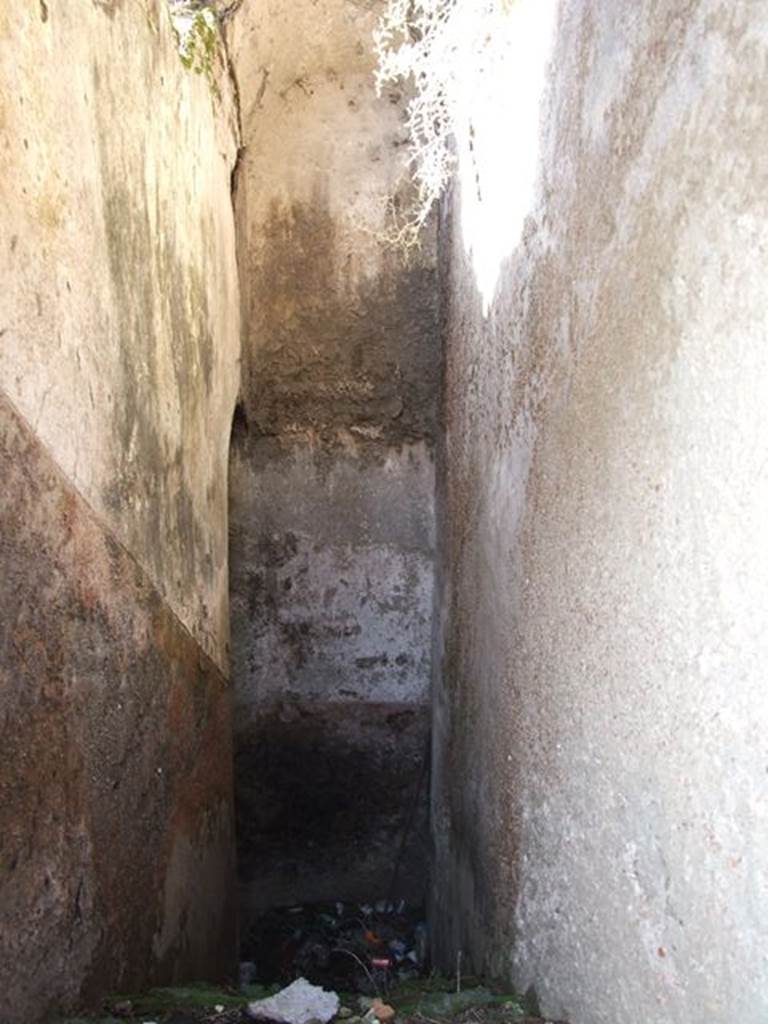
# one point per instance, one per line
(120, 315)
(599, 799)
(119, 337)
(332, 475)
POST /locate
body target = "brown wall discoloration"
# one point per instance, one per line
(119, 336)
(116, 750)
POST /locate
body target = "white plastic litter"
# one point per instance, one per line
(299, 1003)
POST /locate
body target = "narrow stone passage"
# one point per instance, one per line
(383, 627)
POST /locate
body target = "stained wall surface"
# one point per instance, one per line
(119, 336)
(600, 815)
(332, 474)
(120, 326)
(116, 765)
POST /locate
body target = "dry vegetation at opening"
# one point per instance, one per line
(429, 45)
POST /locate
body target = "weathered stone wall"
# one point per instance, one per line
(119, 333)
(600, 778)
(332, 470)
(116, 761)
(120, 313)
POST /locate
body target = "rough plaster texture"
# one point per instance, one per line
(116, 837)
(600, 814)
(326, 603)
(332, 475)
(119, 321)
(119, 334)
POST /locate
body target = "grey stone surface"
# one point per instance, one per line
(332, 570)
(332, 471)
(600, 777)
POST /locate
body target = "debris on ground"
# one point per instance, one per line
(346, 947)
(381, 1012)
(299, 1003)
(430, 1000)
(331, 963)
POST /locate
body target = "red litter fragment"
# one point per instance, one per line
(381, 961)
